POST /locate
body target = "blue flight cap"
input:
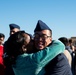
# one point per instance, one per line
(12, 26)
(41, 26)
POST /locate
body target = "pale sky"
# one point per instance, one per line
(59, 15)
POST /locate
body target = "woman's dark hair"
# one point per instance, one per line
(2, 35)
(13, 45)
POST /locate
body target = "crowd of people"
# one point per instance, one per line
(24, 54)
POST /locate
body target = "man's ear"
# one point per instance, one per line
(50, 38)
(24, 48)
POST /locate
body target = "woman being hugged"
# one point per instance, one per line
(19, 47)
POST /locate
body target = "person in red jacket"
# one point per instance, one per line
(2, 36)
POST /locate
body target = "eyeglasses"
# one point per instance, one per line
(43, 36)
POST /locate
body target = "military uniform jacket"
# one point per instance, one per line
(58, 66)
